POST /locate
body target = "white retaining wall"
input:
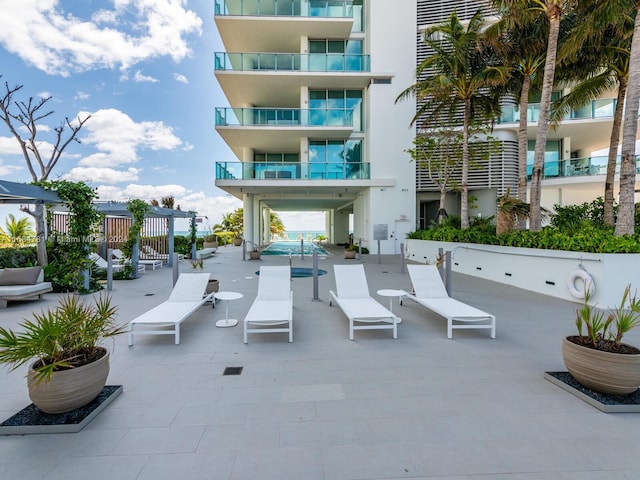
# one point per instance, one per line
(542, 271)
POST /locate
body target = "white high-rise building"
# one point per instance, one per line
(314, 125)
(313, 122)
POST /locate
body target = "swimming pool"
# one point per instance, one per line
(293, 248)
(301, 272)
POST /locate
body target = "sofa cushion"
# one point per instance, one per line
(20, 276)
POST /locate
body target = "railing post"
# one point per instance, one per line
(244, 250)
(447, 263)
(315, 276)
(302, 249)
(175, 268)
(402, 260)
(109, 269)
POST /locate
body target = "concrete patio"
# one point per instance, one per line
(324, 407)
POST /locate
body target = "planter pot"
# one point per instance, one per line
(210, 245)
(69, 389)
(237, 242)
(213, 286)
(253, 255)
(604, 372)
(350, 254)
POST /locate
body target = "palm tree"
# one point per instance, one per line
(519, 41)
(596, 57)
(458, 78)
(626, 204)
(19, 232)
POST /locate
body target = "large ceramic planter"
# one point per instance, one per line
(69, 389)
(213, 286)
(350, 254)
(604, 372)
(254, 255)
(209, 244)
(237, 242)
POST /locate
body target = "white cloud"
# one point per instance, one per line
(302, 220)
(180, 78)
(140, 78)
(118, 138)
(9, 145)
(82, 96)
(9, 169)
(102, 175)
(54, 40)
(214, 207)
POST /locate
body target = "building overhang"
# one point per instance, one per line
(282, 88)
(277, 34)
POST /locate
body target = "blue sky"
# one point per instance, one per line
(143, 70)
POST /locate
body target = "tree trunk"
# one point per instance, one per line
(626, 204)
(609, 218)
(41, 233)
(535, 218)
(522, 139)
(464, 192)
(443, 197)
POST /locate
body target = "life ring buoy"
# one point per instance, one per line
(587, 283)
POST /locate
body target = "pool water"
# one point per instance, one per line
(301, 272)
(293, 248)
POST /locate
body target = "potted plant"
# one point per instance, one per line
(210, 241)
(70, 366)
(597, 358)
(237, 241)
(254, 254)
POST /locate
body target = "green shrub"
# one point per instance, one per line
(16, 257)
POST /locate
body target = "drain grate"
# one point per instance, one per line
(149, 294)
(232, 371)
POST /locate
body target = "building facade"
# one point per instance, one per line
(312, 120)
(314, 126)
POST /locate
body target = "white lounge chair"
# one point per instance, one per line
(430, 292)
(102, 264)
(119, 256)
(148, 253)
(273, 305)
(186, 297)
(352, 296)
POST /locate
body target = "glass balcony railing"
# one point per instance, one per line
(284, 117)
(577, 167)
(286, 8)
(292, 62)
(292, 171)
(603, 108)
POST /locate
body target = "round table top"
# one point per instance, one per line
(228, 295)
(388, 292)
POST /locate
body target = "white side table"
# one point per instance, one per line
(388, 292)
(227, 296)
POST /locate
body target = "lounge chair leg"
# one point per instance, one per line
(177, 334)
(449, 328)
(131, 336)
(350, 329)
(245, 334)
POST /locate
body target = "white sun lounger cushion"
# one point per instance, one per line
(273, 304)
(185, 298)
(352, 296)
(431, 293)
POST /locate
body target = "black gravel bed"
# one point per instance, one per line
(605, 399)
(33, 416)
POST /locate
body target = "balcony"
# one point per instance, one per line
(284, 117)
(280, 129)
(286, 8)
(291, 62)
(577, 167)
(278, 25)
(603, 108)
(292, 171)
